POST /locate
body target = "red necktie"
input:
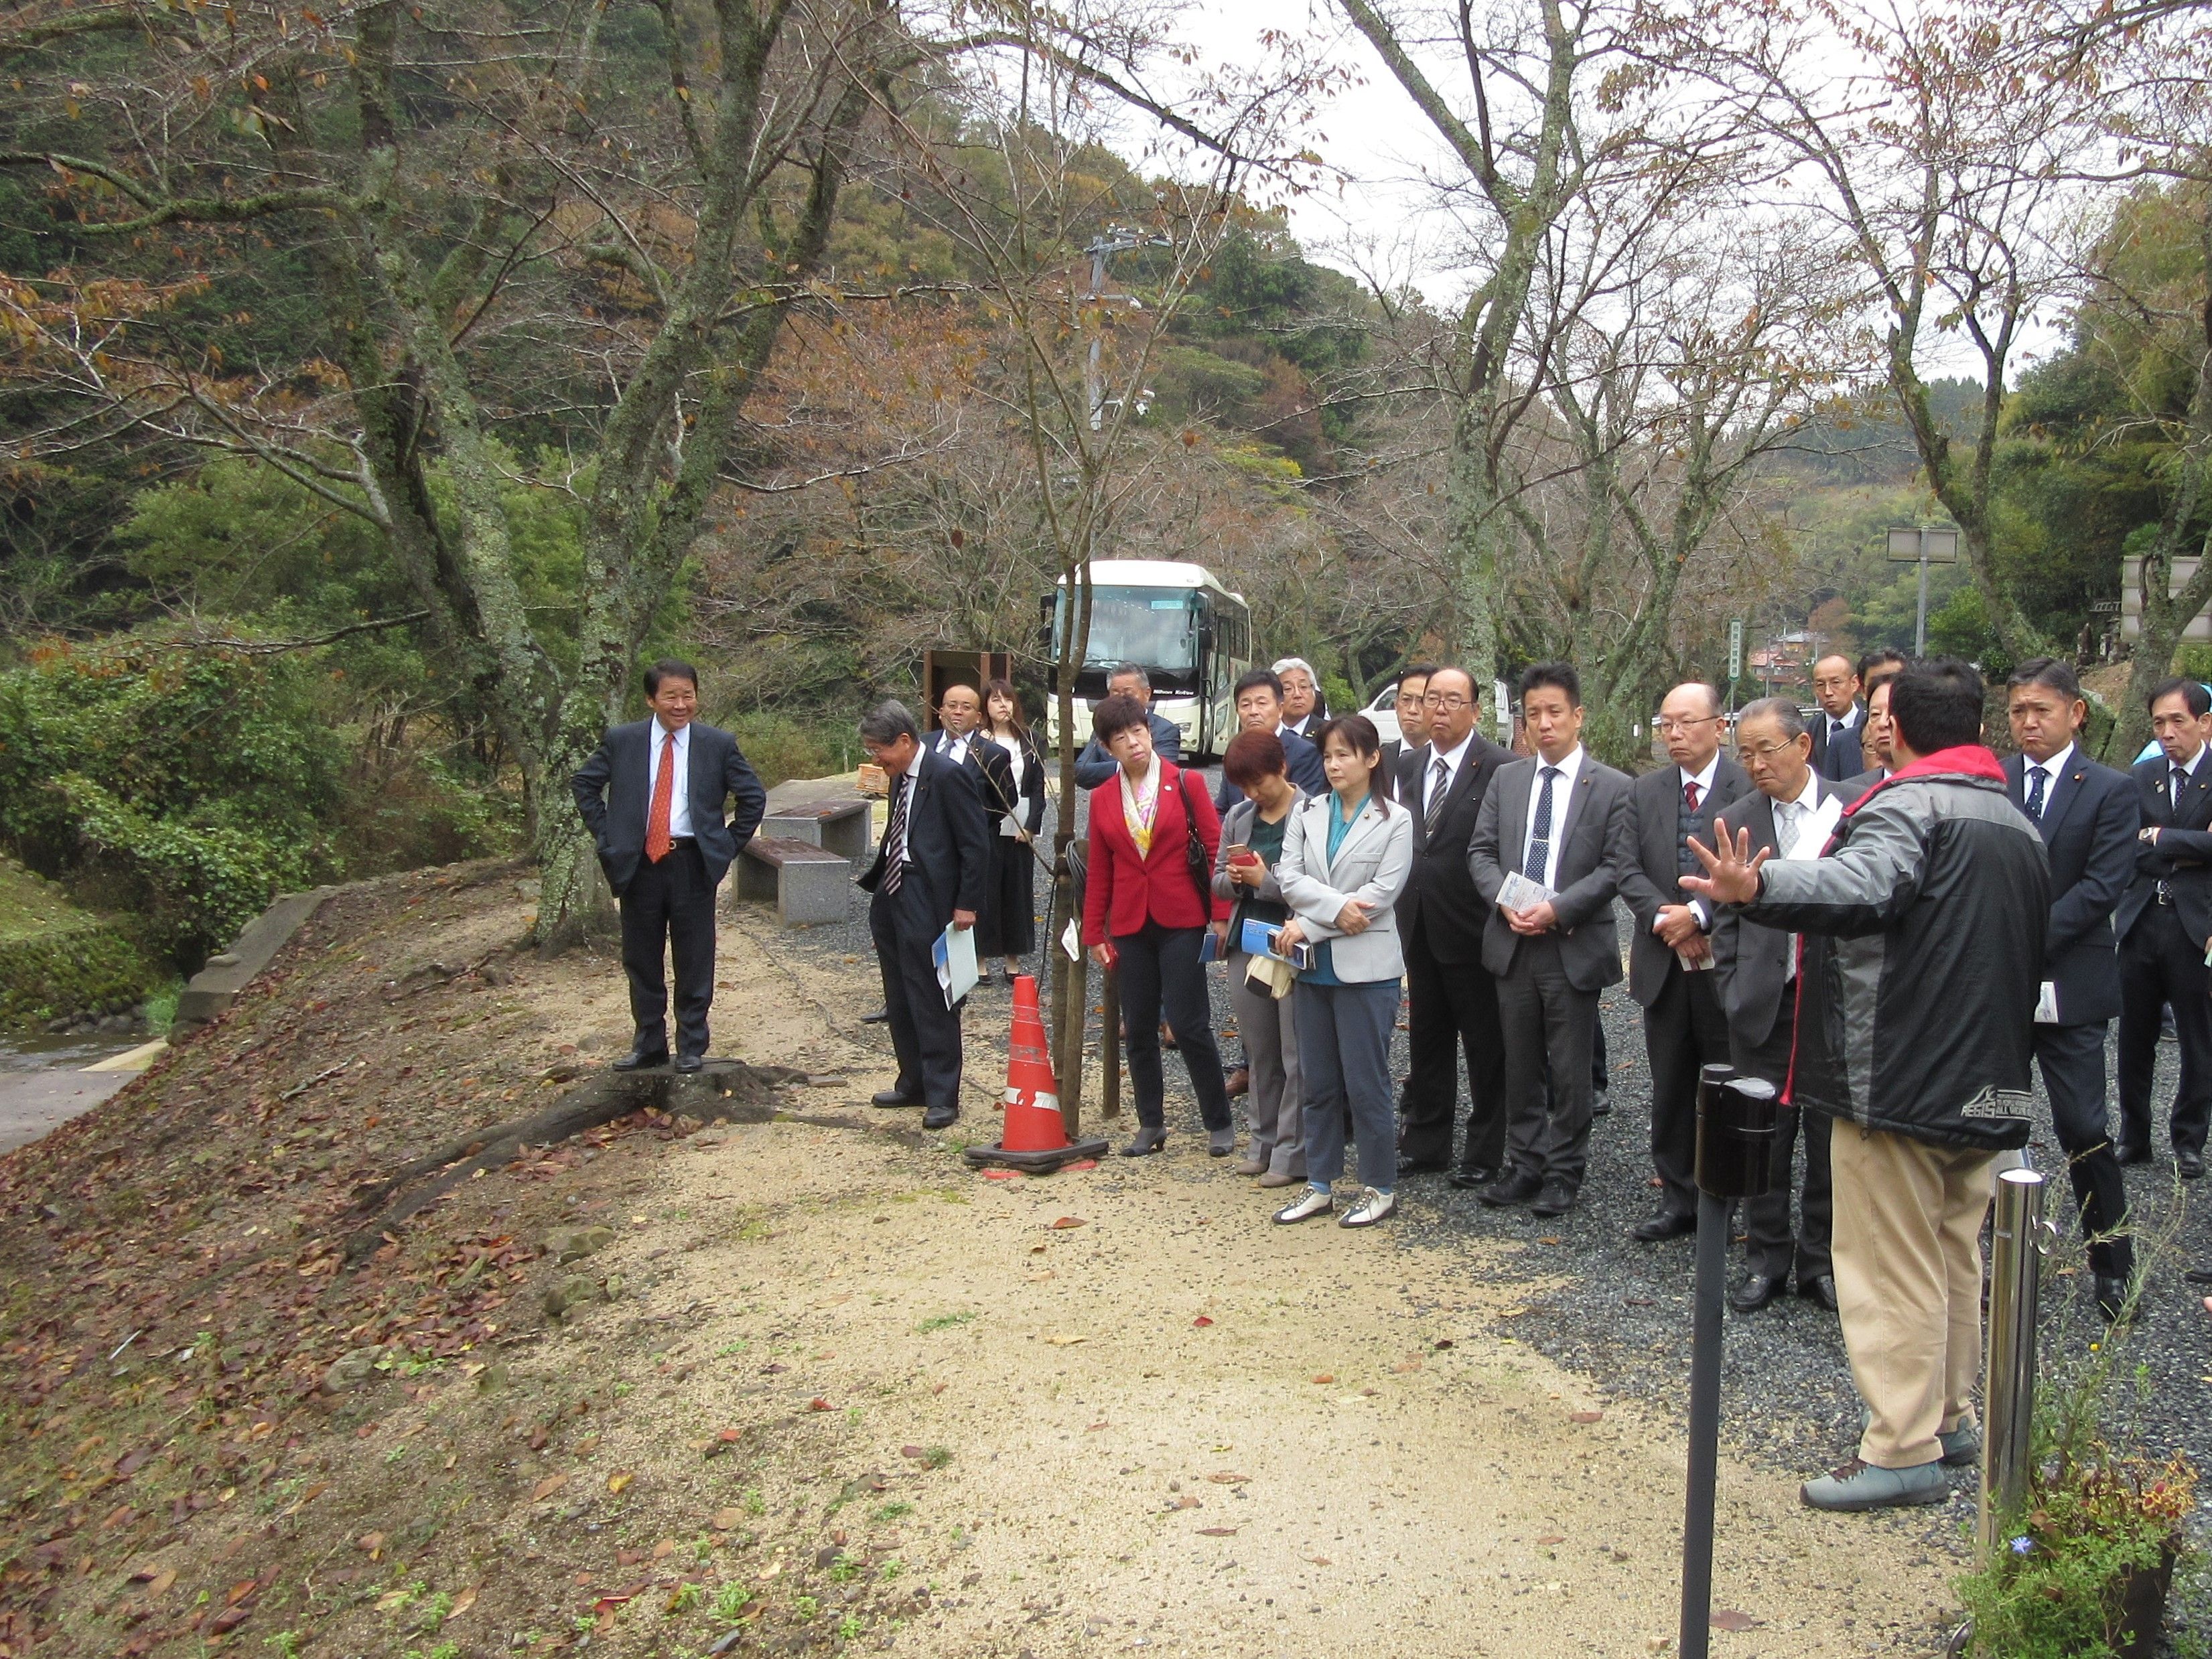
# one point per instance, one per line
(657, 841)
(1690, 794)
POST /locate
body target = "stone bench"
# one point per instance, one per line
(806, 883)
(841, 825)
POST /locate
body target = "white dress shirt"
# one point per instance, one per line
(679, 797)
(953, 748)
(1848, 723)
(1569, 766)
(1453, 759)
(1793, 822)
(2051, 770)
(1018, 765)
(898, 854)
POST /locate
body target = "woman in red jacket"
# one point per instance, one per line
(1146, 907)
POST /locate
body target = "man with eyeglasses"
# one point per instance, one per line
(1670, 958)
(1452, 998)
(1790, 815)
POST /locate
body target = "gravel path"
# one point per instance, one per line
(1618, 1312)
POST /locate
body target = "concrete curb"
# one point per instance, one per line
(215, 986)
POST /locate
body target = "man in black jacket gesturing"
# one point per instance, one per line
(1914, 1038)
(652, 796)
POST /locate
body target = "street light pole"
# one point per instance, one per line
(1920, 614)
(1924, 544)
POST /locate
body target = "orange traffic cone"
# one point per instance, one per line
(1033, 1120)
(1034, 1139)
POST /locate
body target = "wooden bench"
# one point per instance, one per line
(806, 883)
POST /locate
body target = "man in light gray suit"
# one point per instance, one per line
(1758, 970)
(1558, 818)
(1670, 954)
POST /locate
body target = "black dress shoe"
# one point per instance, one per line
(1756, 1291)
(939, 1118)
(2190, 1165)
(893, 1097)
(1469, 1176)
(638, 1059)
(2131, 1154)
(876, 1018)
(688, 1064)
(1820, 1288)
(1413, 1166)
(1667, 1223)
(2112, 1297)
(2199, 1275)
(1601, 1104)
(1516, 1188)
(1555, 1198)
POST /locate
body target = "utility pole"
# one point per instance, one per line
(1094, 373)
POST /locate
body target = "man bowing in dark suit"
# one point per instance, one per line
(2164, 924)
(1453, 1000)
(1559, 820)
(2088, 814)
(1671, 957)
(1790, 815)
(931, 871)
(652, 796)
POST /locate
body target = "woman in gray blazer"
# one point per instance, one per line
(1346, 859)
(1245, 873)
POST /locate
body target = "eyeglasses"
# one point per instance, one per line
(1666, 728)
(1446, 700)
(1750, 753)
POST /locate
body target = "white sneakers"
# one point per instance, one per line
(1372, 1207)
(1314, 1200)
(1369, 1207)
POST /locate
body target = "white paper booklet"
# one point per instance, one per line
(1517, 892)
(955, 951)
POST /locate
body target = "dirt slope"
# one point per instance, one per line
(845, 1392)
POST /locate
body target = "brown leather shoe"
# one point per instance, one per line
(1239, 1081)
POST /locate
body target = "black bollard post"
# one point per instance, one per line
(1735, 1138)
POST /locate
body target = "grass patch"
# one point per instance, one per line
(942, 1323)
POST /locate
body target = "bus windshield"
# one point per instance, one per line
(1152, 627)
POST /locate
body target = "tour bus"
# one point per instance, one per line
(1190, 635)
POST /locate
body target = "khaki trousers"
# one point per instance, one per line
(1908, 1263)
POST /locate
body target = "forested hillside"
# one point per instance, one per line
(379, 390)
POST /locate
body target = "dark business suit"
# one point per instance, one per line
(2089, 825)
(669, 905)
(1300, 759)
(1453, 999)
(2164, 920)
(1684, 1027)
(994, 775)
(1548, 985)
(1759, 999)
(1094, 766)
(1844, 756)
(947, 867)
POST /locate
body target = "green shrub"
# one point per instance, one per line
(782, 746)
(187, 787)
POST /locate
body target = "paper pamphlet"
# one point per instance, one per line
(1071, 940)
(2047, 1003)
(1517, 892)
(954, 956)
(1258, 939)
(1813, 837)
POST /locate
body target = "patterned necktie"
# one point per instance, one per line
(895, 836)
(657, 841)
(2180, 781)
(1539, 835)
(1690, 794)
(2035, 793)
(1438, 779)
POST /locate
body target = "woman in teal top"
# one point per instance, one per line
(1346, 859)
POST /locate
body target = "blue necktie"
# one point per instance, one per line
(1539, 834)
(2035, 794)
